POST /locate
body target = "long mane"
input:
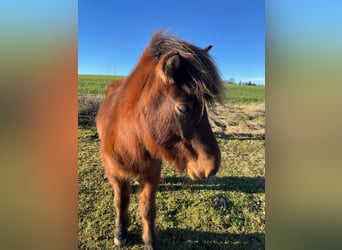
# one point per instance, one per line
(200, 76)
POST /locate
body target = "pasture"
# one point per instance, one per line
(225, 212)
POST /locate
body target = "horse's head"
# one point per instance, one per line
(184, 80)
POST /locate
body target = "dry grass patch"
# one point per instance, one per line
(87, 109)
(239, 120)
(228, 121)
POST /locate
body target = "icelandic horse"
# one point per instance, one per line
(158, 113)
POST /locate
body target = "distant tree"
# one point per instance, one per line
(231, 80)
(249, 83)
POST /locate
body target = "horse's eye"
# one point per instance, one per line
(182, 108)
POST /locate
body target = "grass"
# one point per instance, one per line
(226, 212)
(242, 94)
(94, 85)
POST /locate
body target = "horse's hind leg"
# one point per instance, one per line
(121, 201)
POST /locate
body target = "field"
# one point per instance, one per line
(225, 212)
(94, 85)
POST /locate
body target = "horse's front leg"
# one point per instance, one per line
(148, 213)
(121, 202)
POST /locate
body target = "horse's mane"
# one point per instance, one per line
(199, 74)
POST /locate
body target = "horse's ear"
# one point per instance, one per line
(171, 66)
(206, 50)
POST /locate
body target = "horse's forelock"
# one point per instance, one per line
(198, 73)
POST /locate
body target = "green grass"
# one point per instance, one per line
(242, 94)
(92, 85)
(225, 212)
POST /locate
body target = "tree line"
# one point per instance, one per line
(232, 81)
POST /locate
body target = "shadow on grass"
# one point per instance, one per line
(240, 136)
(179, 239)
(189, 239)
(241, 184)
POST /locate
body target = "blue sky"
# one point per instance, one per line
(112, 34)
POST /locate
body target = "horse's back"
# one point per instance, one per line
(105, 108)
(114, 85)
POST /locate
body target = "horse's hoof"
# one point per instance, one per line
(119, 242)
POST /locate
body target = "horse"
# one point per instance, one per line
(113, 86)
(158, 114)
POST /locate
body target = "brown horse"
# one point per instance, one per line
(158, 114)
(113, 86)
